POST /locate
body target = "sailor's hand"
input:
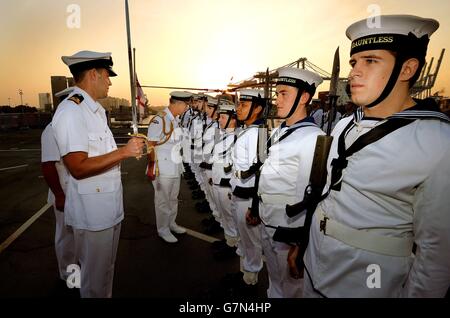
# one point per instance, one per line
(292, 262)
(60, 200)
(134, 147)
(250, 219)
(151, 175)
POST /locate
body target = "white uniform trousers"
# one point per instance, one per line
(222, 199)
(96, 251)
(281, 284)
(208, 190)
(166, 202)
(249, 237)
(64, 244)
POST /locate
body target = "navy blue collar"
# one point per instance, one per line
(307, 119)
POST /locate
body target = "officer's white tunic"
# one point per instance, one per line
(94, 205)
(396, 187)
(284, 177)
(244, 156)
(64, 240)
(169, 161)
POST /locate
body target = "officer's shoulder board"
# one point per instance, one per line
(76, 98)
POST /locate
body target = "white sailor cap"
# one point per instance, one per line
(300, 78)
(86, 60)
(212, 101)
(181, 96)
(199, 96)
(226, 107)
(64, 92)
(250, 94)
(393, 32)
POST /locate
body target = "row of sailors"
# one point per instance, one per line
(380, 199)
(223, 156)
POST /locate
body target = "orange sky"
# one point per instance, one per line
(192, 43)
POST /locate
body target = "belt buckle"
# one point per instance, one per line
(323, 225)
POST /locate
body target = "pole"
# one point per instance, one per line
(132, 79)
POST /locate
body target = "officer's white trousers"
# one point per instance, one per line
(166, 202)
(222, 199)
(249, 236)
(64, 244)
(96, 251)
(281, 284)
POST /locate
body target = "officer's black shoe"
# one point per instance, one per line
(224, 253)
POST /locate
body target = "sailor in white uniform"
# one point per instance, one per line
(285, 174)
(94, 205)
(388, 176)
(221, 171)
(210, 134)
(56, 176)
(249, 111)
(165, 165)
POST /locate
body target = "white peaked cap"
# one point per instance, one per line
(181, 95)
(64, 92)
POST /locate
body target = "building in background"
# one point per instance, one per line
(45, 102)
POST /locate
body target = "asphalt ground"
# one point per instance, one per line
(146, 266)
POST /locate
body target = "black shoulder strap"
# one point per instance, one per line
(340, 163)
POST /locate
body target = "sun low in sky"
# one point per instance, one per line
(188, 43)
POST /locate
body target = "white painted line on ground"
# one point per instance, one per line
(15, 167)
(24, 226)
(201, 236)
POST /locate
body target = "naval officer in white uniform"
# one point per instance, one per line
(94, 205)
(285, 174)
(389, 176)
(165, 165)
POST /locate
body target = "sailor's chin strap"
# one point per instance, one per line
(253, 106)
(230, 115)
(301, 89)
(399, 60)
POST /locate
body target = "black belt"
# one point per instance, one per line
(224, 183)
(244, 193)
(207, 166)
